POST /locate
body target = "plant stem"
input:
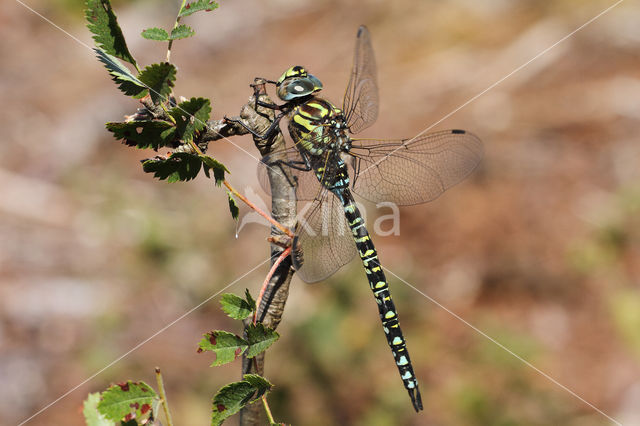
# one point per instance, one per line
(174, 27)
(258, 210)
(163, 397)
(245, 200)
(267, 409)
(265, 284)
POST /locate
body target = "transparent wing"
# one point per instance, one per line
(324, 238)
(413, 171)
(360, 105)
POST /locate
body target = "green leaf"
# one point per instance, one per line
(226, 346)
(102, 22)
(233, 397)
(191, 116)
(250, 301)
(126, 401)
(259, 338)
(181, 31)
(92, 416)
(219, 169)
(197, 6)
(236, 307)
(159, 78)
(129, 84)
(180, 166)
(144, 133)
(233, 206)
(157, 34)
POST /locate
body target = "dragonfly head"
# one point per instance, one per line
(297, 83)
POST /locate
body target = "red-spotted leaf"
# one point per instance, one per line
(226, 346)
(233, 397)
(126, 401)
(197, 6)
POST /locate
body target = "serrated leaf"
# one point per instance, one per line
(128, 83)
(233, 397)
(157, 34)
(234, 306)
(259, 338)
(102, 22)
(127, 400)
(197, 6)
(233, 206)
(92, 416)
(191, 116)
(180, 166)
(250, 301)
(181, 31)
(144, 134)
(226, 346)
(159, 78)
(218, 168)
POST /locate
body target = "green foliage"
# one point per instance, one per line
(160, 79)
(144, 133)
(191, 116)
(218, 168)
(102, 22)
(237, 307)
(157, 34)
(226, 346)
(233, 206)
(127, 82)
(127, 400)
(180, 32)
(91, 414)
(197, 6)
(233, 397)
(180, 166)
(260, 338)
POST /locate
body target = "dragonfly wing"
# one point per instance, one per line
(360, 104)
(324, 238)
(413, 171)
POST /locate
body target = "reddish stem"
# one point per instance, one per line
(278, 261)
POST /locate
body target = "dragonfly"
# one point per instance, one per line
(328, 166)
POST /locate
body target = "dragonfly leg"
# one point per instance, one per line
(267, 134)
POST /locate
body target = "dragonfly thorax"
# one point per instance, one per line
(317, 126)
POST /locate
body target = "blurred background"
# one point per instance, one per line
(539, 248)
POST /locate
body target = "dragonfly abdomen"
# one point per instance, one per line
(380, 289)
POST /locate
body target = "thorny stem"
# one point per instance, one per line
(163, 397)
(265, 284)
